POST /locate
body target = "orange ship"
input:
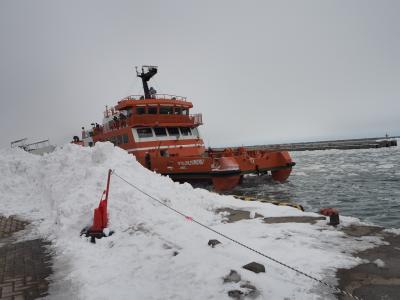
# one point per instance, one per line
(164, 137)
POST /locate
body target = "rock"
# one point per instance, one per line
(254, 267)
(246, 289)
(232, 277)
(213, 243)
(247, 285)
(175, 253)
(251, 290)
(236, 294)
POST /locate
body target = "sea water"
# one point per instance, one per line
(361, 183)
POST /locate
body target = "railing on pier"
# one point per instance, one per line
(19, 143)
(38, 145)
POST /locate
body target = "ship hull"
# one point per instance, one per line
(223, 170)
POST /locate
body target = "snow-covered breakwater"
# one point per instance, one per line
(156, 254)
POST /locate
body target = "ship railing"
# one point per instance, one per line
(197, 119)
(156, 96)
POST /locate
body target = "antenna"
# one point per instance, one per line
(147, 73)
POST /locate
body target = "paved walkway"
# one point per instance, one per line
(24, 266)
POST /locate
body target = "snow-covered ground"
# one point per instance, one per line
(58, 192)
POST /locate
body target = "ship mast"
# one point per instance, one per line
(146, 74)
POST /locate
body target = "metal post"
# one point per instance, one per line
(108, 183)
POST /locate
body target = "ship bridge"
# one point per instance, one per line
(149, 117)
(160, 110)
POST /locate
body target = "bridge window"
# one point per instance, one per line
(185, 111)
(144, 132)
(166, 110)
(173, 131)
(152, 110)
(185, 131)
(178, 111)
(195, 132)
(160, 131)
(140, 110)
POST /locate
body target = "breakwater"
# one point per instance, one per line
(365, 143)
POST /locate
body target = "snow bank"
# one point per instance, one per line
(58, 192)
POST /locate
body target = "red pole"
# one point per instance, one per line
(104, 203)
(108, 183)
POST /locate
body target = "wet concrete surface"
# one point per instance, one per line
(379, 278)
(375, 279)
(293, 219)
(234, 215)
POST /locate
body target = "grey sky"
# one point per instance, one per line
(259, 71)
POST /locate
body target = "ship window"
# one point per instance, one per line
(129, 112)
(160, 131)
(140, 110)
(195, 132)
(152, 110)
(178, 111)
(186, 131)
(185, 111)
(173, 131)
(119, 140)
(125, 138)
(166, 110)
(144, 132)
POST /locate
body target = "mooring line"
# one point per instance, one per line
(240, 243)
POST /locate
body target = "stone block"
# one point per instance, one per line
(213, 243)
(254, 267)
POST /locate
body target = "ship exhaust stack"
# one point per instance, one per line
(146, 74)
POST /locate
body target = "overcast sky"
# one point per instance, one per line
(259, 71)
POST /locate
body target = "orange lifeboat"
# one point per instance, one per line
(160, 131)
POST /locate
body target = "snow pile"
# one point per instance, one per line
(155, 253)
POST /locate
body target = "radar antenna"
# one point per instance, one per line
(146, 74)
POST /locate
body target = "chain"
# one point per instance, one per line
(240, 243)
